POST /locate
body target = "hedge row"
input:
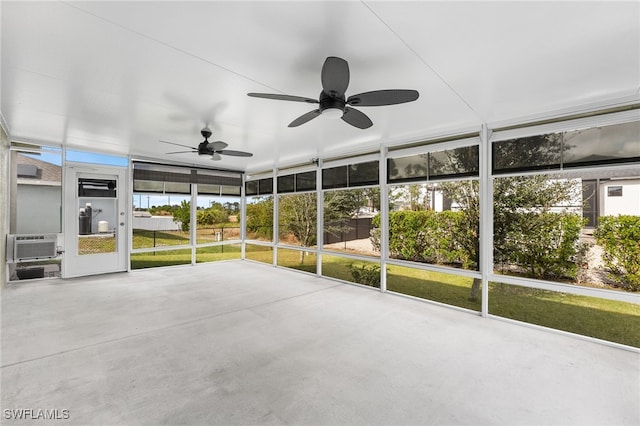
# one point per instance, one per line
(619, 236)
(541, 245)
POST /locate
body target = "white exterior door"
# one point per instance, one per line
(95, 231)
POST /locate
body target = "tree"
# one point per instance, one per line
(341, 206)
(260, 218)
(182, 215)
(214, 214)
(298, 216)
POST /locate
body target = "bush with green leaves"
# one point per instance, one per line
(619, 236)
(425, 236)
(366, 274)
(544, 244)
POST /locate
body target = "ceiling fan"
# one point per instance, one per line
(214, 149)
(335, 80)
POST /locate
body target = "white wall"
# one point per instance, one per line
(156, 223)
(628, 204)
(39, 209)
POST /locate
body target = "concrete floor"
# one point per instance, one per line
(238, 343)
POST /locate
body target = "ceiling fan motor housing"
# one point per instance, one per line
(331, 103)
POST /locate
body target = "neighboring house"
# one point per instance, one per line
(38, 196)
(610, 197)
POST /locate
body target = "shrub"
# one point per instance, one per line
(367, 275)
(545, 244)
(619, 236)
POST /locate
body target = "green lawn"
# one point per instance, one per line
(600, 318)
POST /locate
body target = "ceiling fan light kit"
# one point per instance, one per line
(332, 101)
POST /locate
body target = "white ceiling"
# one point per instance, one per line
(117, 77)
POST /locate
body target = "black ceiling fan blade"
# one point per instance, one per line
(234, 153)
(181, 152)
(356, 118)
(178, 144)
(278, 97)
(304, 118)
(335, 76)
(217, 145)
(383, 97)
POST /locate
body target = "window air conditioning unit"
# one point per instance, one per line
(34, 247)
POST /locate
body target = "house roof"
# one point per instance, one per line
(48, 173)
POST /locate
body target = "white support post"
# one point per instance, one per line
(320, 218)
(243, 218)
(486, 217)
(276, 222)
(384, 218)
(194, 217)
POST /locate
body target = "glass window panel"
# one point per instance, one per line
(538, 222)
(464, 292)
(95, 158)
(355, 271)
(177, 188)
(306, 181)
(286, 184)
(297, 259)
(590, 316)
(298, 217)
(614, 191)
(462, 161)
(529, 153)
(265, 186)
(148, 186)
(413, 167)
(204, 188)
(602, 145)
(157, 258)
(350, 216)
(259, 253)
(335, 177)
(217, 253)
(435, 223)
(156, 220)
(259, 221)
(251, 187)
(230, 190)
(37, 181)
(363, 174)
(217, 219)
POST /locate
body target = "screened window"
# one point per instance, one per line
(335, 177)
(306, 181)
(409, 168)
(456, 162)
(363, 174)
(286, 184)
(259, 187)
(36, 189)
(352, 175)
(598, 145)
(541, 152)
